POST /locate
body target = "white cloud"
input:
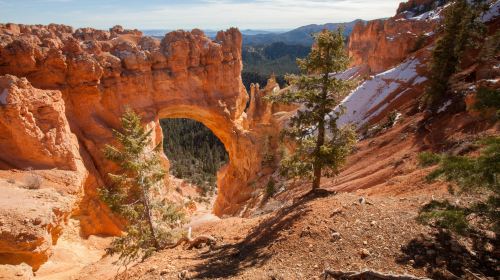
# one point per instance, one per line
(206, 14)
(256, 14)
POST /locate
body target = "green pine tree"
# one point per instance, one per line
(461, 29)
(134, 190)
(322, 147)
(480, 174)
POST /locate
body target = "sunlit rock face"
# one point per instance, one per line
(73, 86)
(41, 171)
(382, 44)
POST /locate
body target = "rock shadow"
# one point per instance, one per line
(445, 258)
(229, 260)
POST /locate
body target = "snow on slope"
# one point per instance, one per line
(492, 13)
(374, 95)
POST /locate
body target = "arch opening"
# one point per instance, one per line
(195, 153)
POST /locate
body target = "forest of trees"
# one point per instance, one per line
(195, 153)
(260, 62)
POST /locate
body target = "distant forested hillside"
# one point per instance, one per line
(195, 153)
(277, 53)
(298, 36)
(260, 62)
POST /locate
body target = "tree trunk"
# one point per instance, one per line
(317, 162)
(318, 166)
(150, 218)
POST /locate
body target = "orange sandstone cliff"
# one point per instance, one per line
(62, 93)
(384, 43)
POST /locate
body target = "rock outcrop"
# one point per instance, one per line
(382, 44)
(36, 119)
(63, 92)
(41, 174)
(397, 50)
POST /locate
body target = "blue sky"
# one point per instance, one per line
(187, 14)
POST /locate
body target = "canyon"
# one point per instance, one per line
(62, 92)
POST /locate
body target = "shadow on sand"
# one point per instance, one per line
(445, 258)
(230, 260)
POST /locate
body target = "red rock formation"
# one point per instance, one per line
(36, 199)
(36, 119)
(381, 44)
(98, 74)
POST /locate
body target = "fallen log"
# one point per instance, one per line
(190, 243)
(366, 275)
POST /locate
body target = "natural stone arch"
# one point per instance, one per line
(237, 143)
(185, 74)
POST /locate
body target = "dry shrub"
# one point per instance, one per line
(33, 182)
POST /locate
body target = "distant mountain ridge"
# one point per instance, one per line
(298, 36)
(211, 33)
(255, 37)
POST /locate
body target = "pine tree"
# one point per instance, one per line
(461, 29)
(480, 174)
(322, 147)
(134, 190)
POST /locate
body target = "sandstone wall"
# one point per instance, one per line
(42, 173)
(382, 44)
(76, 84)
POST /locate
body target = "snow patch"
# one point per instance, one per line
(431, 15)
(403, 72)
(3, 97)
(348, 74)
(492, 13)
(444, 106)
(371, 93)
(419, 80)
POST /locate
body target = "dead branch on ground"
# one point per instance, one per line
(190, 243)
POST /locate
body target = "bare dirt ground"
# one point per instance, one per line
(300, 241)
(76, 258)
(72, 253)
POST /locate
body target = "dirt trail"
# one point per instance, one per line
(72, 253)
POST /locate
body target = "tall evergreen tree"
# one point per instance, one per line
(322, 147)
(133, 194)
(461, 29)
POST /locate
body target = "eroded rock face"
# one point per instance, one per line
(35, 132)
(382, 44)
(99, 74)
(41, 171)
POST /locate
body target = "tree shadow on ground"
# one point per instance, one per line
(445, 258)
(231, 259)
